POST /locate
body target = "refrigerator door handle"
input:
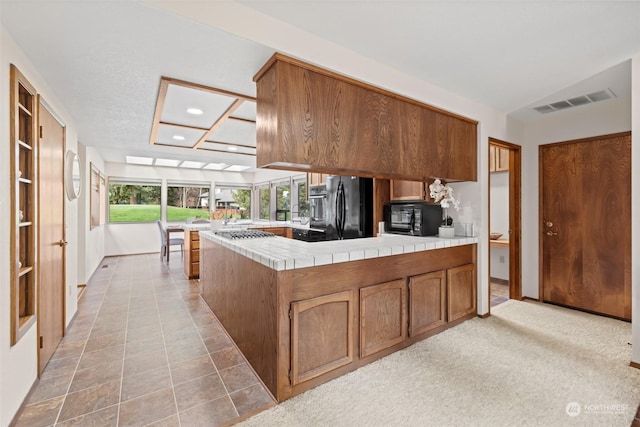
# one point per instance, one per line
(340, 210)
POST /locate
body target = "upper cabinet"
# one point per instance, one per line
(317, 178)
(312, 118)
(498, 159)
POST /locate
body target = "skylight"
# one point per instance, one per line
(215, 166)
(134, 160)
(191, 165)
(167, 162)
(237, 168)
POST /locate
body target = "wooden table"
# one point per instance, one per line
(172, 229)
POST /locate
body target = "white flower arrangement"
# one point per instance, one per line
(443, 194)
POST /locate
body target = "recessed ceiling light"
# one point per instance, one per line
(178, 137)
(232, 148)
(167, 162)
(195, 111)
(216, 166)
(237, 168)
(191, 165)
(139, 160)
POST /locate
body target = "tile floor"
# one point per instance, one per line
(143, 350)
(499, 292)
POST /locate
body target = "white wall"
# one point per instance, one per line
(18, 363)
(499, 222)
(603, 118)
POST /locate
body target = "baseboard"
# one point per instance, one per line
(499, 281)
(530, 299)
(484, 316)
(15, 418)
(634, 365)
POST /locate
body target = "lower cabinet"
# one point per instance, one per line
(461, 291)
(191, 254)
(383, 320)
(427, 302)
(321, 335)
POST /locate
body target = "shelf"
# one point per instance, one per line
(24, 180)
(24, 270)
(499, 243)
(24, 109)
(25, 224)
(24, 320)
(25, 145)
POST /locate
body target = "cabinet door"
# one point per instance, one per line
(461, 291)
(407, 190)
(321, 335)
(492, 158)
(317, 178)
(502, 159)
(382, 316)
(427, 302)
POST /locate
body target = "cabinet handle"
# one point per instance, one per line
(62, 243)
(549, 224)
(551, 233)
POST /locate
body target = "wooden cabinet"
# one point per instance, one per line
(24, 211)
(321, 335)
(317, 178)
(461, 291)
(312, 118)
(191, 254)
(408, 190)
(427, 302)
(383, 320)
(498, 158)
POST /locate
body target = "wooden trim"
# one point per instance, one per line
(231, 144)
(242, 119)
(297, 62)
(634, 365)
(499, 281)
(515, 218)
(233, 107)
(217, 91)
(179, 125)
(226, 151)
(162, 96)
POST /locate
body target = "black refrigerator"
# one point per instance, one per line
(349, 207)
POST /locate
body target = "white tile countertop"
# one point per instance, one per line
(280, 253)
(242, 224)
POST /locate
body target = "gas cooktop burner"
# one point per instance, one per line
(244, 234)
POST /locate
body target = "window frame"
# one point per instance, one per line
(133, 182)
(181, 183)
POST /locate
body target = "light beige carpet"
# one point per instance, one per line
(523, 366)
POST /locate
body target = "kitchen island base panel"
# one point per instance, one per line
(278, 319)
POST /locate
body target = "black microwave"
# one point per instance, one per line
(413, 218)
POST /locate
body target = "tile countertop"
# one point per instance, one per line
(280, 253)
(219, 225)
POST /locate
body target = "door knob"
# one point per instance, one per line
(549, 224)
(62, 243)
(551, 233)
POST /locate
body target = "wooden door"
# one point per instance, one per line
(427, 302)
(461, 291)
(321, 335)
(383, 319)
(51, 288)
(586, 224)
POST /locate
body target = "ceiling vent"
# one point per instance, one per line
(574, 102)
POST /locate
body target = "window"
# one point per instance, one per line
(300, 207)
(133, 201)
(187, 201)
(232, 202)
(283, 200)
(264, 201)
(97, 190)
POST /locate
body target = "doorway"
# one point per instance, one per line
(51, 247)
(585, 230)
(504, 222)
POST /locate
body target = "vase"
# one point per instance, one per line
(446, 231)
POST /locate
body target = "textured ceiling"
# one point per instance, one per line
(104, 59)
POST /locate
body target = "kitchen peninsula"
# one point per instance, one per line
(304, 313)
